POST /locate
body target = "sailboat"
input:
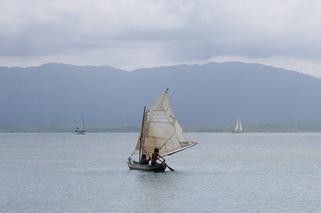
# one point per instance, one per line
(238, 126)
(80, 130)
(160, 130)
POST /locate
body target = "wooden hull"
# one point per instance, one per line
(148, 168)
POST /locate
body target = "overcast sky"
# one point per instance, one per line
(141, 33)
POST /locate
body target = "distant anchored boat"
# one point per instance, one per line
(80, 130)
(161, 135)
(238, 127)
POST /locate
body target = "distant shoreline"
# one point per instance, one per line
(186, 128)
(199, 131)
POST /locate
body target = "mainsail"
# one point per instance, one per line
(80, 129)
(82, 124)
(238, 126)
(161, 130)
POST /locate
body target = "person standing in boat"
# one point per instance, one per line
(155, 156)
(144, 160)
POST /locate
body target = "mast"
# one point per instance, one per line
(141, 136)
(82, 127)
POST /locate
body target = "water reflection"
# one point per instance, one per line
(156, 190)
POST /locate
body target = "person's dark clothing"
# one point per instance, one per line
(154, 158)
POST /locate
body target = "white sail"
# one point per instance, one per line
(82, 124)
(161, 130)
(238, 126)
(80, 129)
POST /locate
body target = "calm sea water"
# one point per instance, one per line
(61, 172)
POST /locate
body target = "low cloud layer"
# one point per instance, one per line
(138, 33)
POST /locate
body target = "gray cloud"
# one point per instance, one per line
(146, 33)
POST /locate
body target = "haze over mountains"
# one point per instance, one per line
(204, 97)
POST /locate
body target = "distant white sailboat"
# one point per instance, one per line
(80, 130)
(238, 126)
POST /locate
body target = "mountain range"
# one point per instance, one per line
(54, 97)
